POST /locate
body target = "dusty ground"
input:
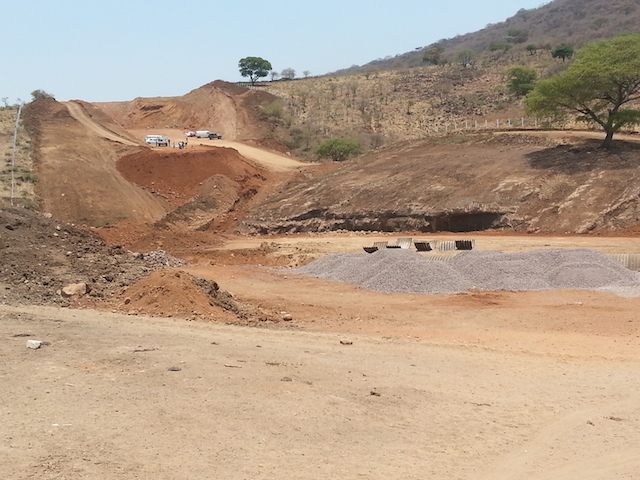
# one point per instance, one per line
(357, 385)
(248, 372)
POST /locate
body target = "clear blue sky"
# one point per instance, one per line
(112, 50)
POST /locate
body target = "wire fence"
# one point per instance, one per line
(497, 124)
(520, 123)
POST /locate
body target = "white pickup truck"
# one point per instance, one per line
(207, 134)
(157, 140)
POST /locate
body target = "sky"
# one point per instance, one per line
(116, 50)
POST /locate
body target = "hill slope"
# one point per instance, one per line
(519, 182)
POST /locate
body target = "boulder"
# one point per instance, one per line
(75, 289)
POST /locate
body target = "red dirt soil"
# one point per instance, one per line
(177, 176)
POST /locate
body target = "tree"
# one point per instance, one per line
(517, 36)
(274, 75)
(504, 46)
(521, 80)
(434, 56)
(563, 52)
(465, 57)
(254, 68)
(604, 78)
(338, 149)
(288, 74)
(306, 73)
(532, 49)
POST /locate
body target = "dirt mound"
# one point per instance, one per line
(177, 176)
(39, 256)
(179, 294)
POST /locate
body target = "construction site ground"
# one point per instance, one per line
(319, 379)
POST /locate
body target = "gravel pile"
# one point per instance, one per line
(404, 271)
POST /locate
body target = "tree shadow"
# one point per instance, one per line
(586, 156)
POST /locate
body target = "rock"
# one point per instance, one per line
(34, 344)
(346, 342)
(287, 317)
(78, 289)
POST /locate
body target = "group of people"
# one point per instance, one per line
(181, 144)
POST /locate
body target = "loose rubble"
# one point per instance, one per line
(45, 262)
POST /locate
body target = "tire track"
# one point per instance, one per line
(78, 112)
(520, 463)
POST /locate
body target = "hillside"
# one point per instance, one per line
(555, 23)
(435, 158)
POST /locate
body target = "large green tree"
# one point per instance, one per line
(604, 78)
(254, 68)
(338, 149)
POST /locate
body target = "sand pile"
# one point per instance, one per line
(404, 271)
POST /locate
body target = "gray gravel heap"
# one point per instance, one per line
(405, 271)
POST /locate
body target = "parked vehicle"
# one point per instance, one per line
(190, 134)
(157, 140)
(207, 134)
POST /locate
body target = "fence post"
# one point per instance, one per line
(13, 155)
(497, 123)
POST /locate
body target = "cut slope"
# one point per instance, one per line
(469, 183)
(76, 168)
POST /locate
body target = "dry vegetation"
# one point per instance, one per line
(23, 170)
(570, 22)
(378, 108)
